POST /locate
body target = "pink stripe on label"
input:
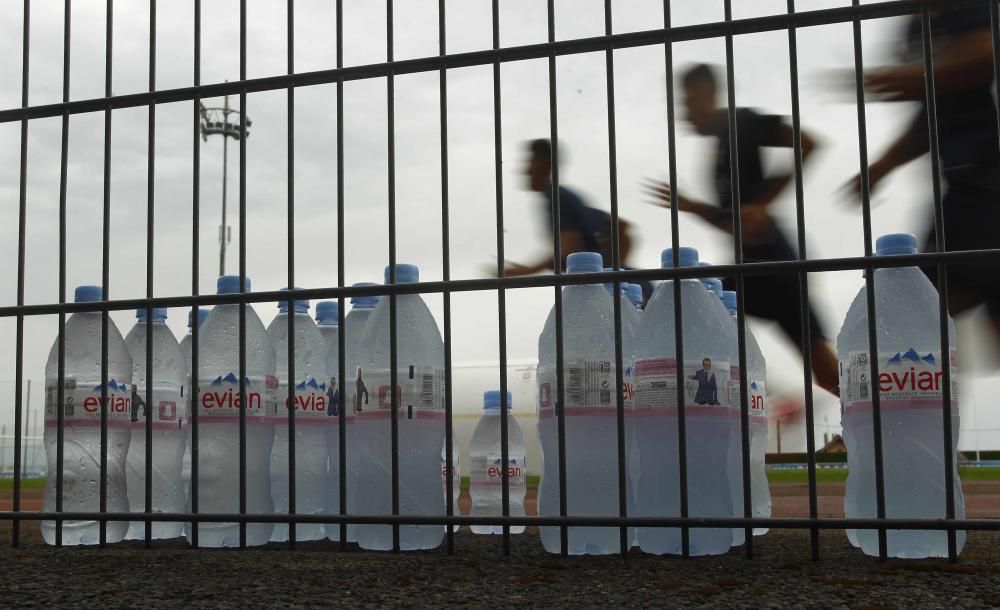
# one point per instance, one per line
(88, 423)
(900, 405)
(158, 425)
(694, 411)
(225, 419)
(303, 420)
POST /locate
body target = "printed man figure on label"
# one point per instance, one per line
(333, 396)
(771, 297)
(708, 391)
(360, 389)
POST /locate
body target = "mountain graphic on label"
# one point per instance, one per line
(911, 355)
(229, 378)
(312, 383)
(929, 359)
(112, 385)
(895, 359)
(753, 385)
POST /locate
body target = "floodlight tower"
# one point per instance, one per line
(216, 121)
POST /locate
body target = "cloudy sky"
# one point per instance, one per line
(762, 81)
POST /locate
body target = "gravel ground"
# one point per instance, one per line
(477, 575)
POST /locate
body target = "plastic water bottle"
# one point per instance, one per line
(735, 457)
(910, 376)
(706, 371)
(420, 400)
(455, 480)
(328, 322)
(354, 326)
(486, 466)
(185, 347)
(81, 432)
(219, 404)
(168, 409)
(760, 492)
(311, 421)
(590, 413)
(634, 294)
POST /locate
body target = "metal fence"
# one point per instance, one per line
(666, 37)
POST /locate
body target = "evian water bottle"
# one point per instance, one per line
(590, 414)
(910, 377)
(486, 469)
(186, 351)
(311, 420)
(168, 407)
(328, 322)
(81, 408)
(354, 325)
(219, 405)
(706, 371)
(420, 401)
(760, 493)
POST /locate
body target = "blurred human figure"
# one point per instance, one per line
(967, 142)
(773, 297)
(581, 227)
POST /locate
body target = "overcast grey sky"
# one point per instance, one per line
(762, 81)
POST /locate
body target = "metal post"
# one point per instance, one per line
(225, 163)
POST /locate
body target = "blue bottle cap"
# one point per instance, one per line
(328, 313)
(230, 284)
(714, 285)
(729, 300)
(895, 243)
(584, 262)
(202, 314)
(405, 274)
(364, 302)
(634, 294)
(688, 257)
(301, 305)
(159, 314)
(88, 294)
(491, 400)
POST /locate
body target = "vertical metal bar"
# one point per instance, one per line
(195, 252)
(291, 275)
(501, 293)
(741, 329)
(150, 234)
(243, 274)
(668, 52)
(61, 356)
(942, 275)
(105, 268)
(804, 312)
(866, 223)
(995, 31)
(341, 337)
(557, 269)
(449, 424)
(22, 213)
(616, 263)
(393, 335)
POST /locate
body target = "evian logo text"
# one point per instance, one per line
(903, 374)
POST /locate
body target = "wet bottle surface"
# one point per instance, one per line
(81, 407)
(486, 466)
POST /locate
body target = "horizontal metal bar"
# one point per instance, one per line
(592, 44)
(570, 521)
(858, 263)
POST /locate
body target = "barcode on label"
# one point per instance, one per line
(863, 391)
(575, 393)
(427, 391)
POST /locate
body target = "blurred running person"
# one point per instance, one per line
(967, 143)
(772, 297)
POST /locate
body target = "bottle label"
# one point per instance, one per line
(588, 388)
(220, 400)
(312, 403)
(168, 408)
(757, 395)
(419, 393)
(487, 470)
(82, 403)
(706, 386)
(906, 380)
